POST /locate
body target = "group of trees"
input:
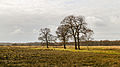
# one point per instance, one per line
(71, 27)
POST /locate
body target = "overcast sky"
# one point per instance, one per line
(20, 20)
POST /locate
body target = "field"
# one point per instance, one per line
(39, 56)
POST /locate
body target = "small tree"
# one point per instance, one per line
(62, 34)
(45, 36)
(87, 36)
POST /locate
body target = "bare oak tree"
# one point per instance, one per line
(62, 34)
(80, 26)
(45, 36)
(69, 20)
(76, 26)
(87, 36)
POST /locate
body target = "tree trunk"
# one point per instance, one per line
(78, 40)
(75, 43)
(47, 42)
(78, 44)
(64, 44)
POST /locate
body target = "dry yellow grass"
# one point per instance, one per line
(93, 49)
(70, 47)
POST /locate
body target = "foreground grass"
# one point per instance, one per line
(93, 49)
(58, 57)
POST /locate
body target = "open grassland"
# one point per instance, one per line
(56, 56)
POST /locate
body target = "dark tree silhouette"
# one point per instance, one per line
(69, 20)
(45, 36)
(77, 26)
(80, 26)
(62, 34)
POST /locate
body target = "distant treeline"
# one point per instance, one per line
(99, 43)
(83, 43)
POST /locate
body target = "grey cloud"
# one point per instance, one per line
(31, 15)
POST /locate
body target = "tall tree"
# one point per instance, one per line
(69, 20)
(80, 26)
(45, 36)
(62, 33)
(76, 26)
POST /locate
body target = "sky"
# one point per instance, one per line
(21, 20)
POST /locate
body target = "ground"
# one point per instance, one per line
(38, 56)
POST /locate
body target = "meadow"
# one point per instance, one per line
(56, 56)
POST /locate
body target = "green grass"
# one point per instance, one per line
(59, 57)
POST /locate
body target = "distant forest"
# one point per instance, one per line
(82, 43)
